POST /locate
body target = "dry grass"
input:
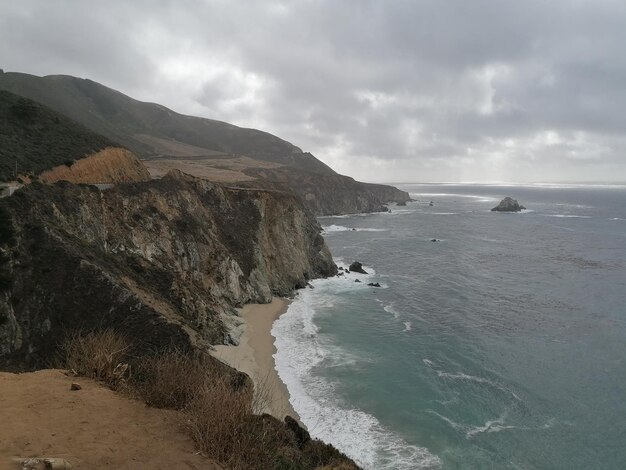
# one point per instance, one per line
(170, 380)
(217, 406)
(98, 355)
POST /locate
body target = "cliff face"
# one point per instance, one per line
(111, 165)
(165, 261)
(331, 194)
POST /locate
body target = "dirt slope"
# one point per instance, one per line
(111, 165)
(93, 428)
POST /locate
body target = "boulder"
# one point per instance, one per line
(357, 267)
(357, 280)
(373, 284)
(508, 205)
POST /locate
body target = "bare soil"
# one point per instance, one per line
(91, 428)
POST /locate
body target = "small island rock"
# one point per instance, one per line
(508, 205)
(357, 267)
(374, 284)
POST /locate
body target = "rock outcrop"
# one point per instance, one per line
(166, 261)
(508, 205)
(357, 267)
(330, 194)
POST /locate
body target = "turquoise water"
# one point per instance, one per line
(500, 346)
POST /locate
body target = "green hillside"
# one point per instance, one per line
(150, 129)
(37, 138)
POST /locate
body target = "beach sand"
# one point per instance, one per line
(254, 356)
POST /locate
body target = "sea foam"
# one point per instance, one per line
(300, 351)
(341, 228)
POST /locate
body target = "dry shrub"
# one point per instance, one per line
(170, 380)
(99, 355)
(217, 405)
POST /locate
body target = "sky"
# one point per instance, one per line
(385, 90)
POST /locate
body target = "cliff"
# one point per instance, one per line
(111, 165)
(165, 261)
(330, 194)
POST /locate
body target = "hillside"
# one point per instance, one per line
(149, 129)
(38, 138)
(206, 148)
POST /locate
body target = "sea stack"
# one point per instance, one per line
(508, 205)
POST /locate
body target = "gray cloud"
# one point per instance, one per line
(397, 91)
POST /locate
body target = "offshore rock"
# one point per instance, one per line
(508, 205)
(165, 262)
(357, 267)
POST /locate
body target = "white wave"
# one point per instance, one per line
(569, 216)
(577, 206)
(473, 378)
(494, 425)
(355, 432)
(407, 326)
(428, 363)
(616, 218)
(443, 213)
(498, 425)
(347, 216)
(341, 228)
(490, 426)
(399, 212)
(341, 263)
(472, 196)
(390, 309)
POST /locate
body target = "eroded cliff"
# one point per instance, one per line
(166, 261)
(330, 194)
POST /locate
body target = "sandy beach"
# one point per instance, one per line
(254, 356)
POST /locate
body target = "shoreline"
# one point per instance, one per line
(254, 356)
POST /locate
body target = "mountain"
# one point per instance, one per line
(161, 136)
(149, 129)
(36, 138)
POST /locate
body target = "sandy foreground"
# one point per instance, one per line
(91, 428)
(254, 356)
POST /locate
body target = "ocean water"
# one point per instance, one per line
(500, 346)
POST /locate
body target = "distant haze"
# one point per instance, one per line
(456, 90)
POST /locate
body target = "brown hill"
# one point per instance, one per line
(111, 165)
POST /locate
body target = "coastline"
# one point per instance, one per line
(254, 356)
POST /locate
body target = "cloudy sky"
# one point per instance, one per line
(385, 90)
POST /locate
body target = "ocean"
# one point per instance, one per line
(501, 345)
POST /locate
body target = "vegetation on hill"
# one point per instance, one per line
(149, 129)
(215, 404)
(38, 138)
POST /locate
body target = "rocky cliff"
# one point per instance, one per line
(111, 165)
(330, 194)
(164, 260)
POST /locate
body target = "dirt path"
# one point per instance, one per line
(92, 428)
